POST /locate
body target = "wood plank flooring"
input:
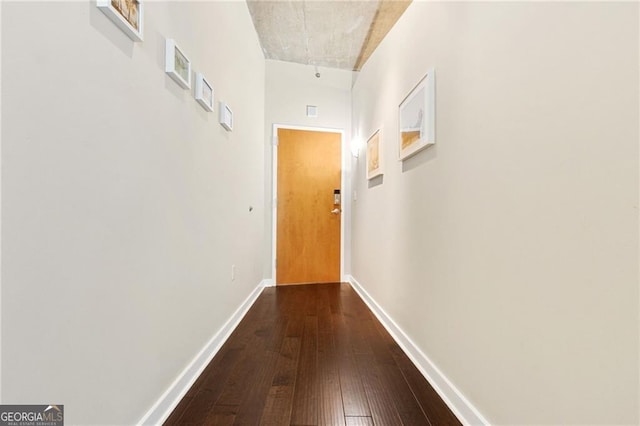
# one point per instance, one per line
(311, 355)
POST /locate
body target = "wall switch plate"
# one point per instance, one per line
(233, 272)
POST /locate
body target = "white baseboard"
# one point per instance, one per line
(269, 283)
(161, 410)
(461, 407)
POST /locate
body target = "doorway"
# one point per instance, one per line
(307, 205)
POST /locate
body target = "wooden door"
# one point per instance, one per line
(308, 221)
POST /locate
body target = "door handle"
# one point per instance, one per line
(335, 211)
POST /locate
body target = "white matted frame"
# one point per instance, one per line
(177, 64)
(417, 118)
(127, 15)
(375, 155)
(226, 116)
(204, 92)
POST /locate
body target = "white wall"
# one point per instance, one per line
(508, 252)
(290, 88)
(124, 202)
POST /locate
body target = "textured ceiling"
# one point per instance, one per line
(334, 34)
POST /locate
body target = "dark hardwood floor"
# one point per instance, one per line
(311, 355)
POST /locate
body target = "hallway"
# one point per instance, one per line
(310, 355)
(137, 229)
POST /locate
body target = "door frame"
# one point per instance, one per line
(274, 190)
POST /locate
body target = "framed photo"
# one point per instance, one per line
(226, 116)
(126, 14)
(204, 92)
(374, 155)
(417, 117)
(177, 65)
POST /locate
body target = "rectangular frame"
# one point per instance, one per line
(226, 116)
(416, 118)
(177, 64)
(127, 15)
(204, 92)
(374, 155)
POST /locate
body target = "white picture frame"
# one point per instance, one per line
(177, 64)
(204, 92)
(127, 15)
(374, 157)
(416, 120)
(226, 116)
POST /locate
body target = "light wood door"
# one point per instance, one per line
(308, 233)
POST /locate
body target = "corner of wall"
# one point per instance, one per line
(268, 282)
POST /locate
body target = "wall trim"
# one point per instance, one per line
(457, 402)
(165, 405)
(269, 282)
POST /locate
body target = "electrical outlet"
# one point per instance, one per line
(233, 272)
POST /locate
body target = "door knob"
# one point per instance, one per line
(335, 211)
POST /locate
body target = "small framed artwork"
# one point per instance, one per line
(226, 116)
(204, 92)
(126, 14)
(374, 155)
(177, 65)
(417, 117)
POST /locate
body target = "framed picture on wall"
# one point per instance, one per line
(226, 116)
(417, 118)
(126, 14)
(177, 65)
(204, 92)
(374, 155)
